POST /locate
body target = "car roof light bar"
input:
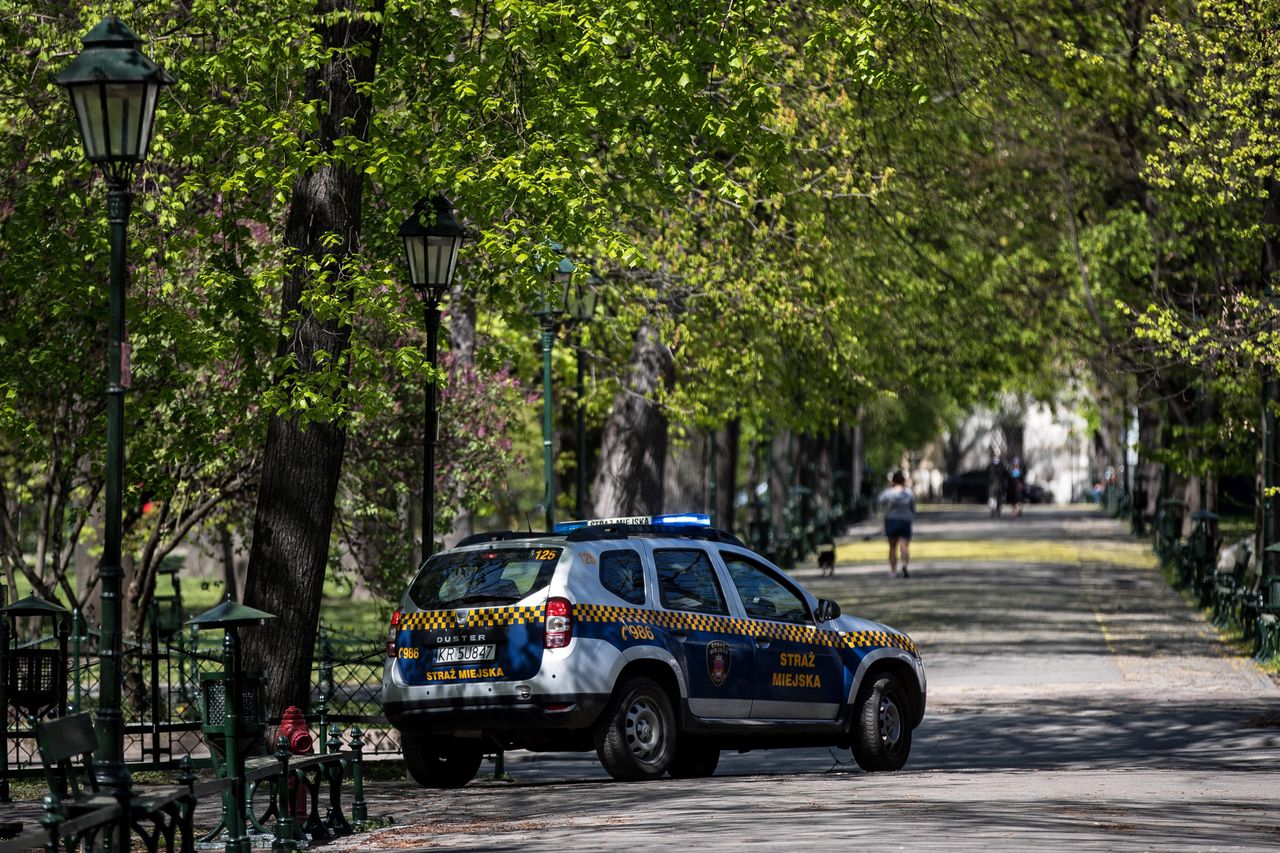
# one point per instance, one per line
(681, 519)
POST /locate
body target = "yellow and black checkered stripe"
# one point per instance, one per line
(807, 634)
(493, 617)
(487, 617)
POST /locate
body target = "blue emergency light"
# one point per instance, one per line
(684, 519)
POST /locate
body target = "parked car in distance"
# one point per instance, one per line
(968, 488)
(1038, 494)
(971, 487)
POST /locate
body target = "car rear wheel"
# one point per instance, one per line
(636, 734)
(883, 739)
(694, 760)
(440, 762)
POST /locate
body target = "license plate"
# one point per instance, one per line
(464, 654)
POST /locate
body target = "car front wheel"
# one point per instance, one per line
(636, 734)
(883, 739)
(440, 762)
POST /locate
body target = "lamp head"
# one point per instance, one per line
(114, 88)
(432, 241)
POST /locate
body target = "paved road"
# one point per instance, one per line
(1075, 702)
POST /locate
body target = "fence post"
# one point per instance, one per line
(359, 811)
(4, 702)
(77, 630)
(51, 819)
(322, 710)
(326, 663)
(284, 839)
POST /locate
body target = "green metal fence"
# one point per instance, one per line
(160, 700)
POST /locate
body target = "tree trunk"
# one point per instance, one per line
(684, 474)
(1269, 457)
(780, 481)
(301, 462)
(858, 470)
(1147, 475)
(462, 346)
(727, 441)
(824, 474)
(634, 445)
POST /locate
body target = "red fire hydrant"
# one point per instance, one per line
(293, 728)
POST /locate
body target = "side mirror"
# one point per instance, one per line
(827, 610)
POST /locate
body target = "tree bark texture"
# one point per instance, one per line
(301, 463)
(634, 445)
(823, 454)
(1269, 457)
(462, 346)
(1147, 475)
(858, 470)
(727, 441)
(684, 474)
(780, 479)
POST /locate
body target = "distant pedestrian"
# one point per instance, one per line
(1017, 486)
(996, 485)
(899, 507)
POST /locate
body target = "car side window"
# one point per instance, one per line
(763, 594)
(687, 581)
(622, 575)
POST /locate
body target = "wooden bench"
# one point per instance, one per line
(78, 812)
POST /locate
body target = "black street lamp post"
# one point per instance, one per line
(550, 312)
(114, 89)
(431, 249)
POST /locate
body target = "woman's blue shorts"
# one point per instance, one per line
(896, 528)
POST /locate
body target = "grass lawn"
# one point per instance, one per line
(364, 617)
(1136, 554)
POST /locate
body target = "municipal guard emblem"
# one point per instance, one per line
(719, 657)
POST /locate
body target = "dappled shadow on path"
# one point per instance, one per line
(960, 811)
(1118, 732)
(1028, 608)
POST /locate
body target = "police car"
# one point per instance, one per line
(656, 641)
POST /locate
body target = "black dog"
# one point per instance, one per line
(827, 559)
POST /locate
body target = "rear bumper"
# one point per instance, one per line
(497, 713)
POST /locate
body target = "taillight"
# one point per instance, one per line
(393, 634)
(559, 623)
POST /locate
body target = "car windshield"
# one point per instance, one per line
(501, 576)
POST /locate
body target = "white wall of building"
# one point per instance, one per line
(1055, 445)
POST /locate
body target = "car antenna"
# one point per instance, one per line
(527, 522)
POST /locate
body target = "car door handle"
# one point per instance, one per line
(680, 635)
(763, 642)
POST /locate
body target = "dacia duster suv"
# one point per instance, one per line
(658, 642)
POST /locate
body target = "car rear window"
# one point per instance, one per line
(500, 576)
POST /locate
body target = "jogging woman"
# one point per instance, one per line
(899, 507)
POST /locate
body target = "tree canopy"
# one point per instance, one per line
(798, 217)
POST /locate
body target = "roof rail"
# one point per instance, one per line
(622, 531)
(501, 536)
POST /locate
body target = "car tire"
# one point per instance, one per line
(440, 762)
(882, 741)
(636, 735)
(694, 760)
